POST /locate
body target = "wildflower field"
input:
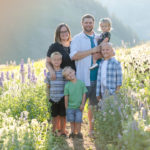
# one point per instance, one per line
(122, 125)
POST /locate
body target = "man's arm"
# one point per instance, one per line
(50, 68)
(81, 54)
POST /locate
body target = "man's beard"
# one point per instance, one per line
(88, 30)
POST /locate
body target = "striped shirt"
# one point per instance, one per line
(113, 76)
(56, 86)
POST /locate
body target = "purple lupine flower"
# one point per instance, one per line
(22, 66)
(119, 110)
(134, 125)
(7, 75)
(144, 113)
(2, 76)
(1, 82)
(29, 71)
(33, 78)
(45, 72)
(22, 70)
(32, 63)
(12, 75)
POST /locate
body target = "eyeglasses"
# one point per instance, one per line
(66, 31)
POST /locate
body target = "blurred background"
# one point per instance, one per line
(27, 26)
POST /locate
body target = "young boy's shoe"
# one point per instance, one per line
(63, 135)
(93, 66)
(79, 136)
(71, 135)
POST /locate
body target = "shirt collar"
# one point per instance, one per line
(84, 35)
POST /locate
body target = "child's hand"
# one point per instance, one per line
(81, 107)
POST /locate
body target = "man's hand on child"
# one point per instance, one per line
(96, 49)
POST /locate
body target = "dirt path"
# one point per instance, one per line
(86, 143)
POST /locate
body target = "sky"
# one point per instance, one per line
(134, 13)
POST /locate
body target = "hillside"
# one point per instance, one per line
(27, 27)
(131, 13)
(121, 125)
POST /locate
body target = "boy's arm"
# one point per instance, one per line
(83, 102)
(66, 101)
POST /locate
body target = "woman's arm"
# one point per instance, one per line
(50, 68)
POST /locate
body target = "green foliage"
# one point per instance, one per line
(123, 124)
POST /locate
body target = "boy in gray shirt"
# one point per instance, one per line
(56, 94)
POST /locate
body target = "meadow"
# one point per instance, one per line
(123, 124)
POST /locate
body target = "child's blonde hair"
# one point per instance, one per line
(65, 69)
(107, 21)
(56, 54)
(106, 43)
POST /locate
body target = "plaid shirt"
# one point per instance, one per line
(113, 76)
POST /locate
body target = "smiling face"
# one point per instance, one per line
(70, 74)
(56, 61)
(107, 51)
(88, 25)
(64, 34)
(105, 27)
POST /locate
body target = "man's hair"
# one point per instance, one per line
(65, 69)
(56, 54)
(88, 16)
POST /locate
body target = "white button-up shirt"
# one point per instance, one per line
(81, 43)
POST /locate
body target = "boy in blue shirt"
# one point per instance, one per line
(109, 78)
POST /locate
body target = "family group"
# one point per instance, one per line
(80, 68)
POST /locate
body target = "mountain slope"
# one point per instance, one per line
(27, 27)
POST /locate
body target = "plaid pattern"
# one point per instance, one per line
(113, 76)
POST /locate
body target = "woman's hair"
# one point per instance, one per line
(56, 54)
(57, 32)
(105, 21)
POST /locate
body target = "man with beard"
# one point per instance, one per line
(83, 46)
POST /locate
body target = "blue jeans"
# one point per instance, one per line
(74, 115)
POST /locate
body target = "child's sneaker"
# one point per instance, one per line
(71, 135)
(93, 66)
